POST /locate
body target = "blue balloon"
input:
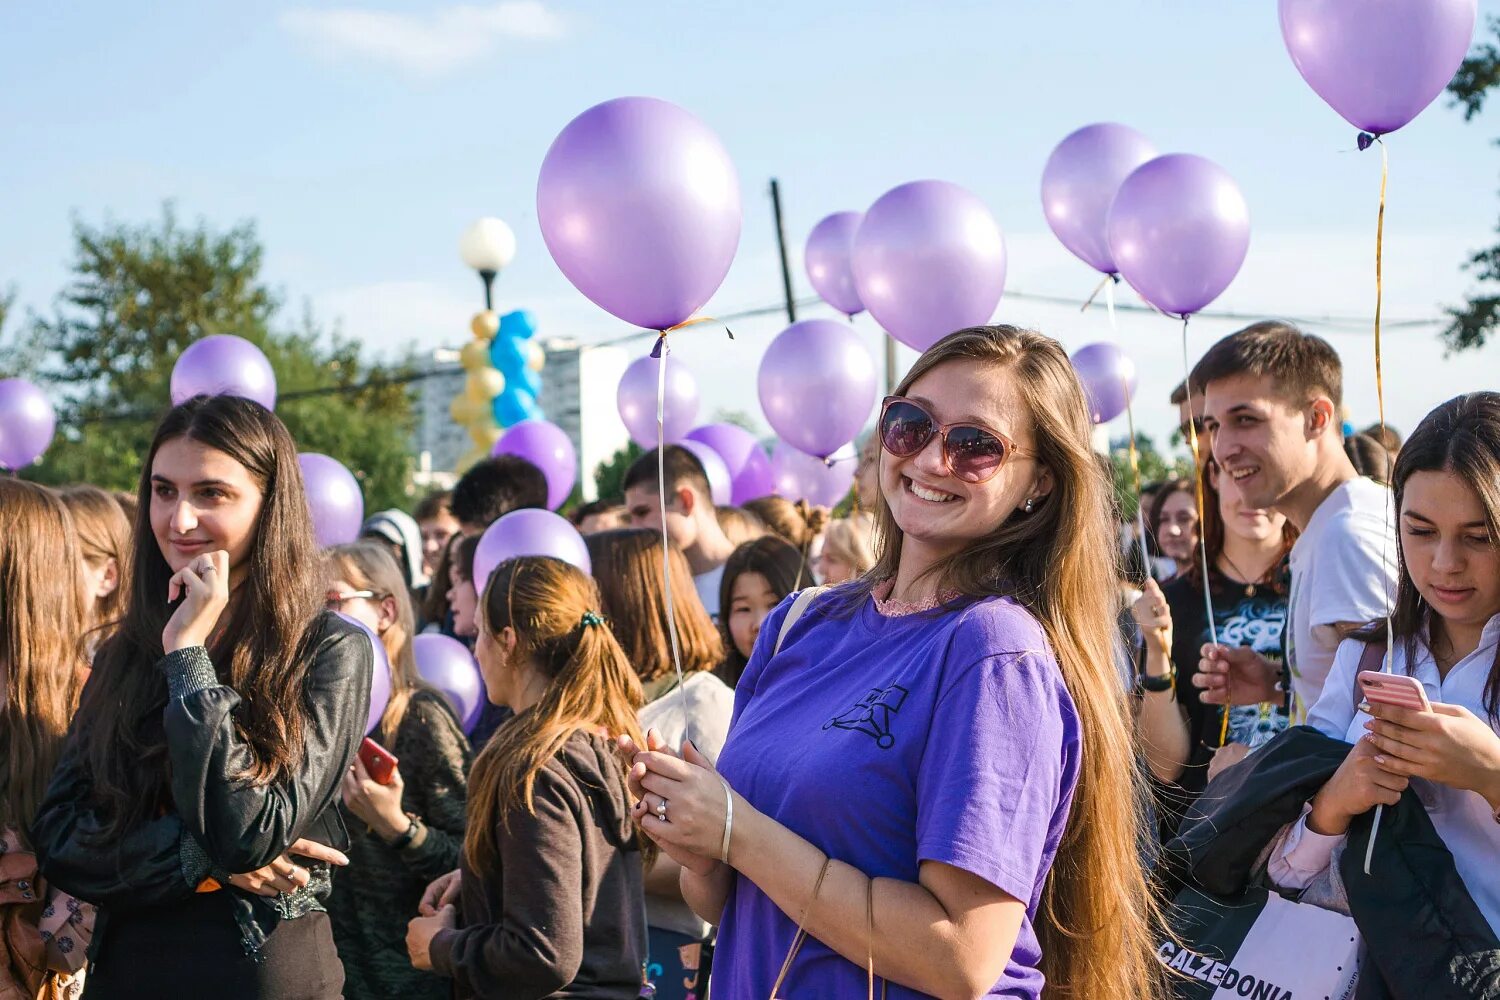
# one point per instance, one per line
(507, 355)
(518, 324)
(514, 405)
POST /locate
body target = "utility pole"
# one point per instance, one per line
(786, 270)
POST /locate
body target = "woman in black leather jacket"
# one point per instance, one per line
(196, 800)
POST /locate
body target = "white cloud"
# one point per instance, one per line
(429, 44)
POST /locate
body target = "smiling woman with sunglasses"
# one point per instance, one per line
(930, 770)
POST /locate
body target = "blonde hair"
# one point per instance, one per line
(41, 657)
(369, 565)
(590, 685)
(103, 530)
(851, 539)
(1097, 919)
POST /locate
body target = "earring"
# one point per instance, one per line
(1029, 505)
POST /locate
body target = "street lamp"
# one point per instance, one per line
(488, 246)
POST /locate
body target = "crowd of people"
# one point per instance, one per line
(946, 742)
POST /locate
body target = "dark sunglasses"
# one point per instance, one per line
(974, 454)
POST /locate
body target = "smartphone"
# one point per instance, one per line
(379, 761)
(1401, 690)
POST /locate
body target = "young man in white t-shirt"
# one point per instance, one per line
(691, 520)
(1272, 397)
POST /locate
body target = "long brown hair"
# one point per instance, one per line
(1461, 437)
(783, 568)
(369, 565)
(41, 658)
(262, 649)
(103, 534)
(627, 568)
(590, 686)
(1097, 919)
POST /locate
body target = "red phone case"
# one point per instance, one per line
(379, 761)
(1399, 690)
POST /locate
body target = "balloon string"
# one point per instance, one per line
(1208, 599)
(1390, 639)
(1108, 282)
(1135, 459)
(666, 539)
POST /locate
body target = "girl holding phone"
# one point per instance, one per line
(1446, 626)
(196, 799)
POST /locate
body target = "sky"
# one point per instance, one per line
(362, 139)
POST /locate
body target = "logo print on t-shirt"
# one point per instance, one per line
(872, 715)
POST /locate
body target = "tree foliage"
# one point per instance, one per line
(137, 297)
(1471, 324)
(609, 475)
(1154, 466)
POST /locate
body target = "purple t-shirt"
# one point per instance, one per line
(892, 741)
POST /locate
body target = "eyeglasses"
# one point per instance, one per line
(972, 453)
(334, 600)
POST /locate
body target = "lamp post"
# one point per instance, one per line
(488, 246)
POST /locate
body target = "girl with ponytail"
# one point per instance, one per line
(549, 900)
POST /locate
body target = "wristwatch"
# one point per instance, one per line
(406, 837)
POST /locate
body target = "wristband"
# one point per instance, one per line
(728, 820)
(401, 842)
(1166, 682)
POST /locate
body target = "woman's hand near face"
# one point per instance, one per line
(203, 586)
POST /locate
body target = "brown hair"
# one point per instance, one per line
(103, 534)
(434, 505)
(783, 567)
(798, 523)
(435, 602)
(1461, 437)
(627, 568)
(1301, 367)
(369, 565)
(1369, 457)
(1385, 435)
(262, 649)
(41, 659)
(590, 685)
(1211, 528)
(1097, 919)
(739, 525)
(851, 538)
(680, 466)
(1164, 492)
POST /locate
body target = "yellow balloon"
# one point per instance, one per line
(535, 356)
(474, 355)
(464, 410)
(486, 324)
(469, 458)
(484, 385)
(484, 434)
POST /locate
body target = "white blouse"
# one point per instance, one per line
(1462, 818)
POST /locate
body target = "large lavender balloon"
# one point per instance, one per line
(1179, 230)
(1109, 379)
(1378, 63)
(800, 476)
(929, 259)
(640, 206)
(223, 365)
(829, 247)
(636, 398)
(546, 446)
(333, 497)
(528, 532)
(1080, 180)
(27, 423)
(817, 385)
(749, 466)
(720, 486)
(447, 665)
(380, 676)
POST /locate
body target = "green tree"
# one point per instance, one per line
(609, 475)
(1471, 324)
(1154, 468)
(137, 297)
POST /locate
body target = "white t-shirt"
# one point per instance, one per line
(707, 585)
(1343, 570)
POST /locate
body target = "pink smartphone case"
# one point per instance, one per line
(1390, 689)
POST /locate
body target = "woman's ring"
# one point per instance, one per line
(661, 810)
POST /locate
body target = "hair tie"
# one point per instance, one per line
(590, 620)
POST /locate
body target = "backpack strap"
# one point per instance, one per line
(804, 598)
(1372, 658)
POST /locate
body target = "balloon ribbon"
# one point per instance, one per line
(1208, 600)
(661, 335)
(661, 352)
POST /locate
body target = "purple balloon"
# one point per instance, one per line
(1179, 230)
(636, 398)
(380, 678)
(546, 446)
(447, 665)
(27, 423)
(1109, 378)
(928, 260)
(223, 365)
(817, 385)
(720, 486)
(800, 476)
(334, 499)
(1080, 180)
(640, 206)
(1378, 64)
(826, 258)
(749, 466)
(528, 532)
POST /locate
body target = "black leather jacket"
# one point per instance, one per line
(219, 824)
